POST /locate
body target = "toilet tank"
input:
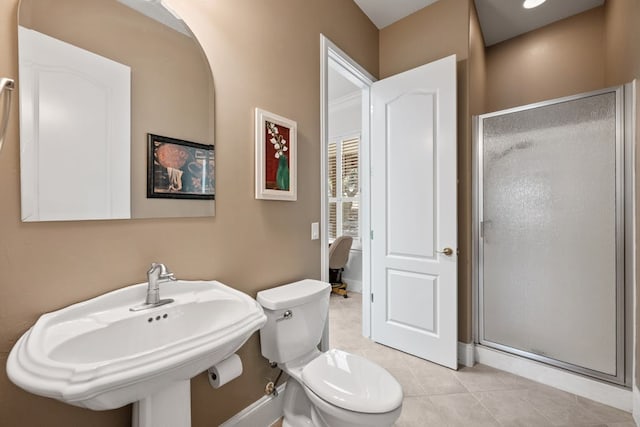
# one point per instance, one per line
(296, 315)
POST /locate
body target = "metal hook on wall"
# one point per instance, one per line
(9, 85)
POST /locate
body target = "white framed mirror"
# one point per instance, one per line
(96, 77)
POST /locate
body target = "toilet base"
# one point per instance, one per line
(302, 408)
(296, 406)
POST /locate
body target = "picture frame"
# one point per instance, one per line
(178, 169)
(276, 155)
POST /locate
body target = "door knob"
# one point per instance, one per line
(446, 251)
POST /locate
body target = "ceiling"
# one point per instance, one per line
(160, 12)
(500, 19)
(504, 19)
(386, 12)
(339, 87)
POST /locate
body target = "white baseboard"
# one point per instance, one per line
(261, 413)
(636, 405)
(617, 397)
(466, 355)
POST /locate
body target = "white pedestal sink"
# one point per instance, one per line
(100, 355)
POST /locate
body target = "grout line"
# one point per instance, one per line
(486, 409)
(528, 402)
(540, 412)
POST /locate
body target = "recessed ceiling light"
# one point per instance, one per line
(530, 4)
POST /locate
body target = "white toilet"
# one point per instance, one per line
(332, 389)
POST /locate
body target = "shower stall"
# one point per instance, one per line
(553, 205)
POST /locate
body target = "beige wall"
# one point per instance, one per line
(563, 58)
(477, 65)
(622, 41)
(440, 30)
(477, 99)
(263, 54)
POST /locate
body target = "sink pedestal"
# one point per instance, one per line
(170, 407)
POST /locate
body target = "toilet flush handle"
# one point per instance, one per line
(286, 315)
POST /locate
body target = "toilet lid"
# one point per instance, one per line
(352, 382)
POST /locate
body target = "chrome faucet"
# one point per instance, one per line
(156, 274)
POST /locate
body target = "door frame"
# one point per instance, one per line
(332, 55)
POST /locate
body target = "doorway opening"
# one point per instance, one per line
(344, 127)
(397, 136)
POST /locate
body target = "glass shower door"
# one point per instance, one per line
(551, 218)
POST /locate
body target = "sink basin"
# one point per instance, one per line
(100, 355)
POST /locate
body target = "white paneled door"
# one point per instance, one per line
(414, 212)
(75, 112)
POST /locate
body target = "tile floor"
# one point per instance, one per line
(478, 396)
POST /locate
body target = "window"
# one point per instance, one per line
(344, 188)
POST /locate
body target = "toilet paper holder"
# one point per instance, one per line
(225, 371)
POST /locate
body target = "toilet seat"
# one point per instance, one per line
(352, 382)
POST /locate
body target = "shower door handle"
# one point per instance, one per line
(446, 251)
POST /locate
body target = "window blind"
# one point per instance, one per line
(344, 187)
